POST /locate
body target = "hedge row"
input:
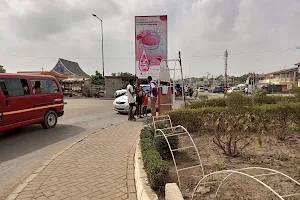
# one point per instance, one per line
(258, 99)
(155, 167)
(154, 150)
(268, 117)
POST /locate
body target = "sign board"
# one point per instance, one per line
(289, 86)
(150, 45)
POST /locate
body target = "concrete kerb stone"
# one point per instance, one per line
(144, 191)
(172, 192)
(22, 186)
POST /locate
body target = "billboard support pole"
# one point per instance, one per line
(183, 91)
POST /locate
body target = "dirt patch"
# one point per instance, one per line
(283, 156)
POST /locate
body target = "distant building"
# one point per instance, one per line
(284, 78)
(64, 70)
(70, 69)
(113, 83)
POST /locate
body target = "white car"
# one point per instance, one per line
(233, 89)
(119, 93)
(121, 104)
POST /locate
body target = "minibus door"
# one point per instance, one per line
(2, 101)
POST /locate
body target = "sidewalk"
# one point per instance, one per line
(99, 167)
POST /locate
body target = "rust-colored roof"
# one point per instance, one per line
(283, 71)
(55, 74)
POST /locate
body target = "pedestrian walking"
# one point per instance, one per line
(145, 105)
(130, 96)
(246, 91)
(225, 91)
(153, 95)
(139, 99)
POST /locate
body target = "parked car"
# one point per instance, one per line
(29, 99)
(233, 89)
(201, 89)
(217, 89)
(121, 104)
(119, 93)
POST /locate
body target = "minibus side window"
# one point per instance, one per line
(46, 86)
(14, 87)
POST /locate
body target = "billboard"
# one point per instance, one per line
(150, 45)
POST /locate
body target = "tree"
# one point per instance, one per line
(97, 79)
(2, 70)
(122, 74)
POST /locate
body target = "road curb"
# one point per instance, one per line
(21, 187)
(144, 191)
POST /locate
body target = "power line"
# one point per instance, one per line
(125, 58)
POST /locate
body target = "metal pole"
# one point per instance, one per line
(94, 15)
(183, 92)
(102, 48)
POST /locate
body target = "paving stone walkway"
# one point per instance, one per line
(99, 167)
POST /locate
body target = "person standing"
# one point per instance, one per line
(246, 90)
(131, 101)
(139, 98)
(153, 95)
(225, 91)
(145, 105)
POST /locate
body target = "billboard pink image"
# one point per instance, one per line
(151, 44)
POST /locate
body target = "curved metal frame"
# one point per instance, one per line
(238, 171)
(171, 150)
(162, 116)
(231, 172)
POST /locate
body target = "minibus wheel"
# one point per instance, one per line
(50, 120)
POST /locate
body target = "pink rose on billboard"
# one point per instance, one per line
(163, 18)
(150, 40)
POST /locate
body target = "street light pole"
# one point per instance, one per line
(101, 42)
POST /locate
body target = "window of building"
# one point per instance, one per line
(14, 87)
(44, 86)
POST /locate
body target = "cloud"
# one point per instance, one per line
(200, 29)
(46, 18)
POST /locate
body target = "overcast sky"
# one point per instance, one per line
(261, 35)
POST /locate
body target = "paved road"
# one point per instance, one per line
(23, 152)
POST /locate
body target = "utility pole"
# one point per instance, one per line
(226, 56)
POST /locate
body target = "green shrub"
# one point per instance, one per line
(261, 98)
(202, 97)
(161, 144)
(155, 167)
(231, 126)
(296, 92)
(195, 120)
(280, 116)
(237, 100)
(216, 102)
(162, 147)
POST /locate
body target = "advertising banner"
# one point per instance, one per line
(150, 45)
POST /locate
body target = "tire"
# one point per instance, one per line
(50, 120)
